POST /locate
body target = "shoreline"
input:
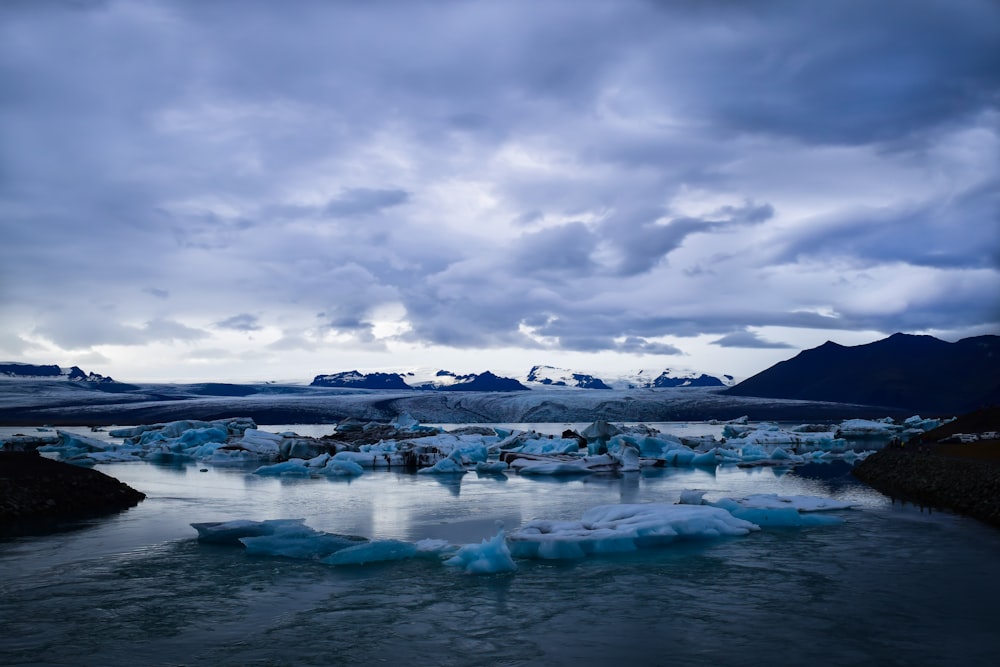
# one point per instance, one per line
(33, 487)
(966, 486)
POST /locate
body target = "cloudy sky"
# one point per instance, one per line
(264, 190)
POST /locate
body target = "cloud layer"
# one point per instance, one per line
(303, 184)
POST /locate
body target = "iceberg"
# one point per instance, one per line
(341, 468)
(448, 466)
(626, 527)
(491, 556)
(492, 467)
(293, 467)
(773, 510)
(378, 551)
(296, 540)
(230, 532)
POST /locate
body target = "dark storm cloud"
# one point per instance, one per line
(362, 201)
(962, 231)
(846, 72)
(497, 173)
(241, 322)
(74, 333)
(565, 249)
(638, 345)
(748, 339)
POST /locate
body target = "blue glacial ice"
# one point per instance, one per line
(490, 556)
(626, 527)
(237, 441)
(773, 510)
(230, 532)
(600, 530)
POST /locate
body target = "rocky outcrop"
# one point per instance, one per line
(32, 486)
(965, 486)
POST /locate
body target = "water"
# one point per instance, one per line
(892, 585)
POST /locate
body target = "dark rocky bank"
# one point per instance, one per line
(35, 487)
(967, 486)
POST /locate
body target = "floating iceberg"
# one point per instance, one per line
(378, 551)
(230, 532)
(769, 509)
(613, 528)
(449, 466)
(492, 555)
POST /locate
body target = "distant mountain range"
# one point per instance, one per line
(919, 373)
(442, 381)
(537, 378)
(13, 369)
(904, 372)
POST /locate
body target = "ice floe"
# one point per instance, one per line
(614, 528)
(768, 509)
(603, 529)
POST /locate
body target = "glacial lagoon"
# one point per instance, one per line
(890, 584)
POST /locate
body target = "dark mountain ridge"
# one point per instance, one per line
(919, 373)
(485, 381)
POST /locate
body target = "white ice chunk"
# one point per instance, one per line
(769, 509)
(368, 459)
(609, 528)
(799, 503)
(691, 497)
(557, 468)
(260, 442)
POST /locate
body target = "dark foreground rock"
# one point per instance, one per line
(966, 486)
(32, 486)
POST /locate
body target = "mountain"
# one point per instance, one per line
(356, 380)
(485, 381)
(13, 369)
(919, 373)
(669, 378)
(559, 377)
(549, 376)
(442, 381)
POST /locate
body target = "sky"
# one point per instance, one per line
(258, 190)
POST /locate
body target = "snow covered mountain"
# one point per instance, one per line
(356, 380)
(14, 369)
(645, 379)
(440, 381)
(539, 377)
(560, 377)
(549, 376)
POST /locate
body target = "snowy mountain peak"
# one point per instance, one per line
(550, 376)
(15, 369)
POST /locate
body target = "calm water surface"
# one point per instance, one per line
(893, 585)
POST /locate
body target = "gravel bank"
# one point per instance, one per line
(32, 486)
(966, 486)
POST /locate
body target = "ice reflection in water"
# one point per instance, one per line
(892, 585)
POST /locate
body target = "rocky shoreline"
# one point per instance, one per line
(965, 486)
(35, 487)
